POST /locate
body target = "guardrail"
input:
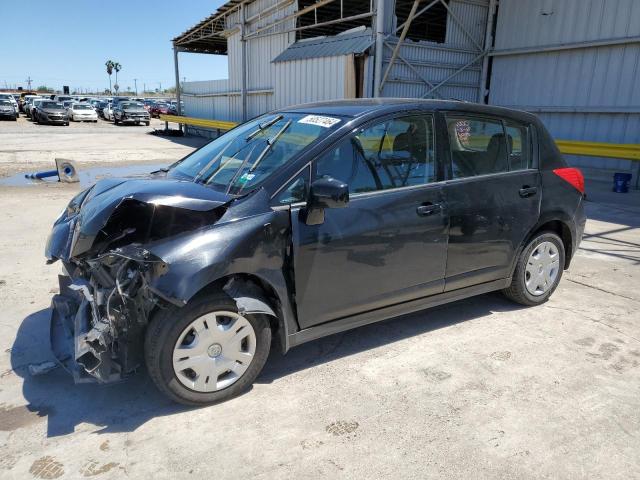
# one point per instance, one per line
(625, 151)
(199, 122)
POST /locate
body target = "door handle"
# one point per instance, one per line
(527, 191)
(427, 209)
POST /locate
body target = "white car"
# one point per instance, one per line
(8, 96)
(82, 112)
(108, 112)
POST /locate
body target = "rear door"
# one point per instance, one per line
(388, 245)
(493, 196)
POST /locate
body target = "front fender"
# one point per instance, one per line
(256, 245)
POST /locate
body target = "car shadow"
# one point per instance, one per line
(120, 407)
(375, 335)
(125, 406)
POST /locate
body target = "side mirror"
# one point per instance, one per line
(324, 193)
(328, 193)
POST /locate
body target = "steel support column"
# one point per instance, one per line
(380, 37)
(243, 42)
(488, 45)
(177, 73)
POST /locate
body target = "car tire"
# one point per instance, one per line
(171, 324)
(147, 123)
(547, 267)
(115, 120)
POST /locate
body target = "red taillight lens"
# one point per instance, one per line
(573, 176)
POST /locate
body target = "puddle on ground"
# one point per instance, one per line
(88, 176)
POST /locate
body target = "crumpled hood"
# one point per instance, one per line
(104, 198)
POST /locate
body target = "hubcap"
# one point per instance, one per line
(542, 268)
(214, 351)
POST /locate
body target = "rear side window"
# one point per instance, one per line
(478, 146)
(520, 151)
(392, 154)
(487, 146)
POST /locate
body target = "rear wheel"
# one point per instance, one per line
(206, 352)
(538, 271)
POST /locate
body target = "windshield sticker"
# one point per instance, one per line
(319, 120)
(246, 177)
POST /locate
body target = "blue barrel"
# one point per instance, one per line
(621, 182)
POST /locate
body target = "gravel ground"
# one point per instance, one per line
(480, 388)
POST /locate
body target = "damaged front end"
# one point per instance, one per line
(106, 294)
(99, 316)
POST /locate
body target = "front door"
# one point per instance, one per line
(389, 244)
(493, 197)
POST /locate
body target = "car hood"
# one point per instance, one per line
(134, 110)
(76, 230)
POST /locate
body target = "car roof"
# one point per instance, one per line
(363, 106)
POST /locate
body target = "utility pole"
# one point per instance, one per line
(28, 80)
(160, 83)
(135, 83)
(144, 87)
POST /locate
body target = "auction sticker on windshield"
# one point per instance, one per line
(319, 120)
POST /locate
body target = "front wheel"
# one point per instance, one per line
(115, 120)
(206, 352)
(538, 271)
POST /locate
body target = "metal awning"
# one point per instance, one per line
(208, 36)
(341, 44)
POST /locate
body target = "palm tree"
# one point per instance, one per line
(117, 67)
(110, 66)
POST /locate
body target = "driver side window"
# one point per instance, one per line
(392, 154)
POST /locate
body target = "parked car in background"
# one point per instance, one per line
(117, 100)
(28, 105)
(33, 109)
(10, 98)
(100, 107)
(62, 98)
(173, 108)
(22, 101)
(82, 112)
(67, 104)
(50, 111)
(130, 112)
(158, 109)
(148, 104)
(107, 112)
(8, 110)
(303, 223)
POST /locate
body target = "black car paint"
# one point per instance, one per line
(391, 261)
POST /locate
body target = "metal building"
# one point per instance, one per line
(574, 62)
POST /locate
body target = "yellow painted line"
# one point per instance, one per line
(626, 151)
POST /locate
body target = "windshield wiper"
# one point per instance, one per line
(262, 154)
(263, 126)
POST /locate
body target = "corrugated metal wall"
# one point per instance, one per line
(437, 61)
(589, 93)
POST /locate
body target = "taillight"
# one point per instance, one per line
(573, 176)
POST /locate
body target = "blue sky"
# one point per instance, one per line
(67, 42)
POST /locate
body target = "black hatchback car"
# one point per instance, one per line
(302, 223)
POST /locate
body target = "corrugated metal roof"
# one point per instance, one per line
(341, 44)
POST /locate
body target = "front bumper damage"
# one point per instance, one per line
(97, 325)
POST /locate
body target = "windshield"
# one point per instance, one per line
(51, 105)
(131, 105)
(246, 156)
(82, 107)
(5, 102)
